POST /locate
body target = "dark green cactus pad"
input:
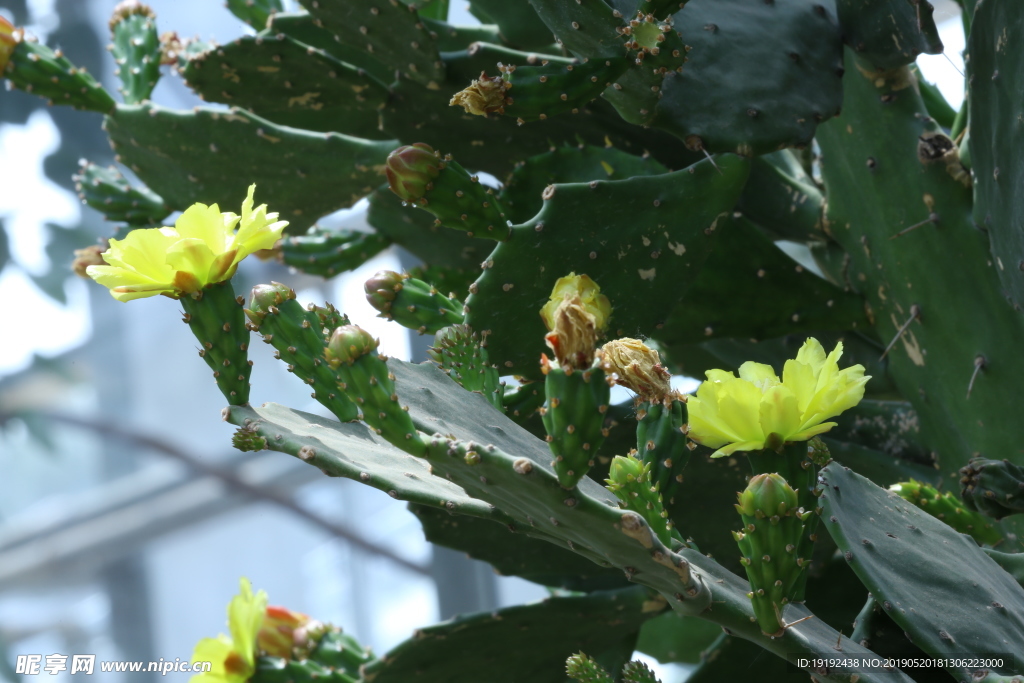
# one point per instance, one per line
(671, 637)
(728, 107)
(879, 466)
(303, 27)
(515, 554)
(573, 418)
(37, 69)
(781, 197)
(523, 490)
(745, 266)
(543, 90)
(517, 22)
(549, 631)
(291, 84)
(194, 156)
(256, 13)
(661, 442)
(338, 650)
(993, 487)
(453, 38)
(110, 193)
(666, 223)
(521, 195)
(389, 31)
(453, 281)
(1013, 563)
(216, 318)
(417, 231)
(280, 670)
(954, 603)
(463, 356)
(878, 187)
(891, 427)
(587, 29)
(996, 69)
(136, 50)
(329, 252)
(889, 33)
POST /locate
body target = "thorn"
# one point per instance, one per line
(952, 63)
(932, 218)
(979, 363)
(915, 312)
(711, 159)
(785, 626)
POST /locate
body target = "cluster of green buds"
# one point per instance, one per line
(630, 480)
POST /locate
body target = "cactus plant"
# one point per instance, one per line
(651, 156)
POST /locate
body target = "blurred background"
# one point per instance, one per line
(126, 518)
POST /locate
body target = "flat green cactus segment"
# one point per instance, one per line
(951, 510)
(874, 142)
(538, 92)
(329, 252)
(573, 418)
(454, 282)
(338, 650)
(878, 466)
(549, 631)
(661, 442)
(996, 71)
(136, 50)
(195, 156)
(637, 94)
(643, 267)
(1013, 563)
(37, 69)
(515, 554)
(256, 13)
(953, 603)
(745, 266)
(291, 84)
(781, 197)
(217, 320)
(587, 29)
(461, 354)
(889, 33)
(796, 84)
(993, 487)
(280, 670)
(390, 31)
(891, 427)
(110, 193)
(416, 231)
(451, 38)
(353, 451)
(672, 637)
(517, 22)
(521, 195)
(303, 27)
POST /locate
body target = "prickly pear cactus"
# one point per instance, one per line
(598, 192)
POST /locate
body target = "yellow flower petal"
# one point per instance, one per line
(245, 616)
(758, 373)
(593, 302)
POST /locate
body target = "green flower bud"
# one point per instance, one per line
(349, 343)
(626, 470)
(264, 297)
(382, 288)
(411, 169)
(129, 8)
(767, 495)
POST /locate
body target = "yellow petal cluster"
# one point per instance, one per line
(593, 302)
(204, 247)
(234, 658)
(757, 408)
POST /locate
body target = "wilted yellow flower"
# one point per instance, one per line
(202, 248)
(638, 368)
(234, 658)
(573, 336)
(483, 96)
(756, 410)
(593, 302)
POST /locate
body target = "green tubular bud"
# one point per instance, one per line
(773, 527)
(328, 252)
(662, 443)
(365, 379)
(459, 351)
(993, 487)
(411, 169)
(216, 318)
(638, 672)
(412, 303)
(584, 669)
(110, 193)
(41, 71)
(573, 415)
(297, 335)
(244, 439)
(339, 651)
(418, 175)
(630, 481)
(136, 49)
(534, 93)
(949, 509)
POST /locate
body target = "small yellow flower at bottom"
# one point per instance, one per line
(234, 658)
(757, 410)
(201, 249)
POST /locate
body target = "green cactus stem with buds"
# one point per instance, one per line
(993, 487)
(136, 50)
(216, 317)
(630, 480)
(951, 510)
(411, 302)
(462, 354)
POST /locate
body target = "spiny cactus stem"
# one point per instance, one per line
(915, 313)
(932, 218)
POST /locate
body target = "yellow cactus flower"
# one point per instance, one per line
(201, 249)
(756, 410)
(593, 302)
(234, 658)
